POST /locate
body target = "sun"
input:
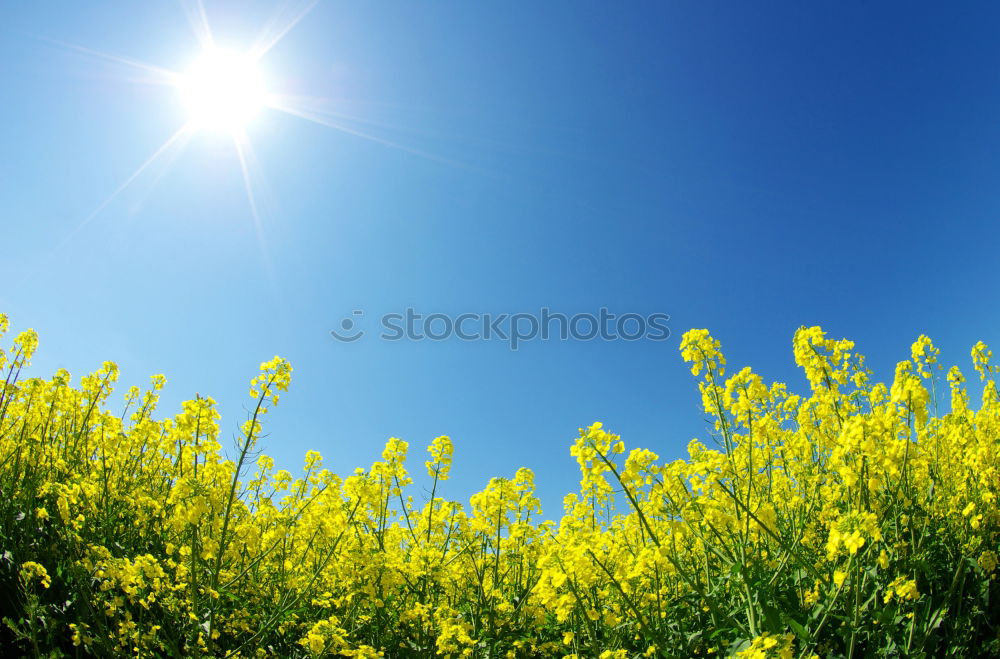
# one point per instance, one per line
(223, 90)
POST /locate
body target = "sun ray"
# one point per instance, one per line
(320, 118)
(177, 141)
(275, 30)
(168, 157)
(247, 159)
(194, 10)
(179, 138)
(318, 106)
(162, 75)
(313, 105)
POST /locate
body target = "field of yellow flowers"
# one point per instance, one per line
(858, 519)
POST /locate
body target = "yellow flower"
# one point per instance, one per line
(441, 451)
(32, 570)
(169, 527)
(903, 589)
(838, 578)
(768, 645)
(988, 561)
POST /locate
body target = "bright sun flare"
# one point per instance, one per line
(223, 90)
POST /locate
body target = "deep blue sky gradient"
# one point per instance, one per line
(745, 167)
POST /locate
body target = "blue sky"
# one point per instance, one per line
(744, 167)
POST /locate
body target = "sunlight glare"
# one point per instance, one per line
(223, 91)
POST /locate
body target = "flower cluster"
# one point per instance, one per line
(854, 519)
